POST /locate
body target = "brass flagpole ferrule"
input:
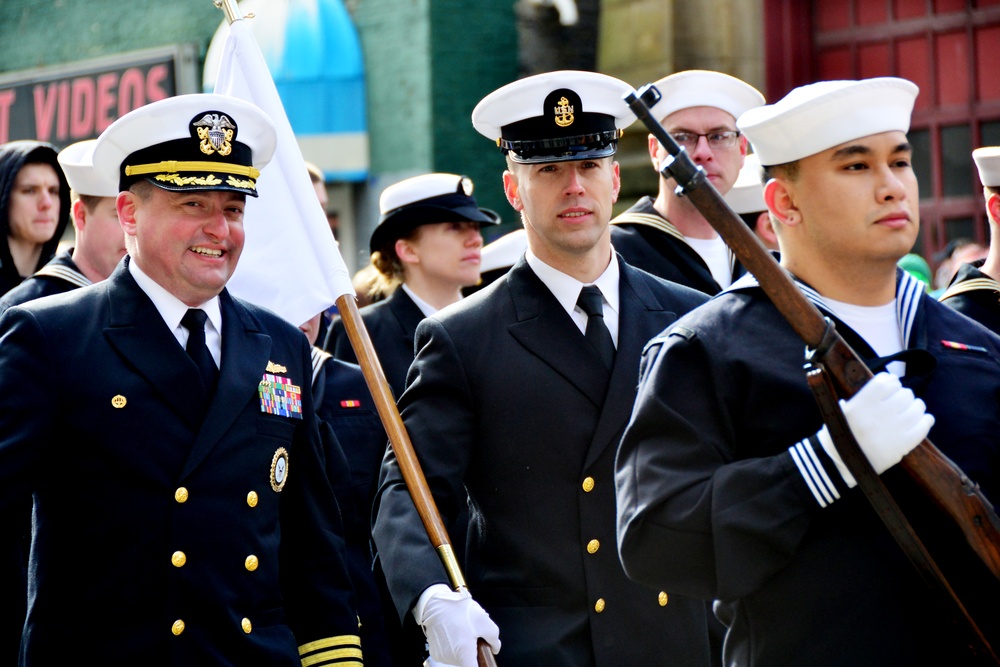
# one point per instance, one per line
(231, 10)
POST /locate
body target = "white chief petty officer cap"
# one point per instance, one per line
(747, 194)
(556, 116)
(987, 161)
(819, 116)
(704, 88)
(200, 141)
(77, 162)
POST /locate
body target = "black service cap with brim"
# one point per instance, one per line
(556, 116)
(423, 200)
(189, 142)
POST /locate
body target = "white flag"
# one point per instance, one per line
(290, 262)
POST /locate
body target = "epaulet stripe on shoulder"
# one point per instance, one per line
(64, 273)
(342, 651)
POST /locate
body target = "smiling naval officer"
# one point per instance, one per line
(516, 401)
(166, 428)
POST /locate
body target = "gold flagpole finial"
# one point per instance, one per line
(230, 8)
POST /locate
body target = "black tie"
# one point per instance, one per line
(592, 302)
(194, 322)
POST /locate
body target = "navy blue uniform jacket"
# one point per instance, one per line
(160, 537)
(506, 399)
(712, 503)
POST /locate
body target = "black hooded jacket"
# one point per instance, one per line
(13, 156)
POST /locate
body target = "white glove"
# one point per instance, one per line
(887, 421)
(431, 662)
(453, 623)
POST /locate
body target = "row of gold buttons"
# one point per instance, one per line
(179, 559)
(178, 627)
(181, 495)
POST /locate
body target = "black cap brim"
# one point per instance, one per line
(400, 222)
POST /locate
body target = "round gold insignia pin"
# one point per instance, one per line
(279, 469)
(118, 401)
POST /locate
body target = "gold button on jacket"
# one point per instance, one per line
(179, 558)
(181, 494)
(593, 546)
(178, 627)
(252, 499)
(251, 563)
(588, 484)
(247, 626)
(599, 605)
(662, 599)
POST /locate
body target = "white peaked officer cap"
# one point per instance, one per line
(819, 116)
(426, 199)
(189, 142)
(747, 194)
(77, 162)
(556, 116)
(987, 161)
(704, 88)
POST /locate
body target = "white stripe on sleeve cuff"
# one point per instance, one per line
(813, 473)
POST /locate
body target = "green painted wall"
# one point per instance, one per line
(429, 63)
(36, 33)
(467, 67)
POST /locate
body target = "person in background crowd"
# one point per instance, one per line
(99, 240)
(34, 209)
(100, 244)
(318, 181)
(746, 198)
(975, 290)
(729, 484)
(426, 248)
(667, 236)
(166, 430)
(366, 284)
(354, 443)
(957, 252)
(515, 403)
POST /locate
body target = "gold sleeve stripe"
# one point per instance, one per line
(175, 165)
(339, 651)
(336, 657)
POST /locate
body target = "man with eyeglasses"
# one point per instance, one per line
(667, 236)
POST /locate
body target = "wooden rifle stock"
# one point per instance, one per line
(934, 473)
(409, 466)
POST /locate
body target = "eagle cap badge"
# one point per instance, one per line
(216, 132)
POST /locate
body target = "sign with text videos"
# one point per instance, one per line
(66, 103)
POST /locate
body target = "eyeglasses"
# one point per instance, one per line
(716, 140)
